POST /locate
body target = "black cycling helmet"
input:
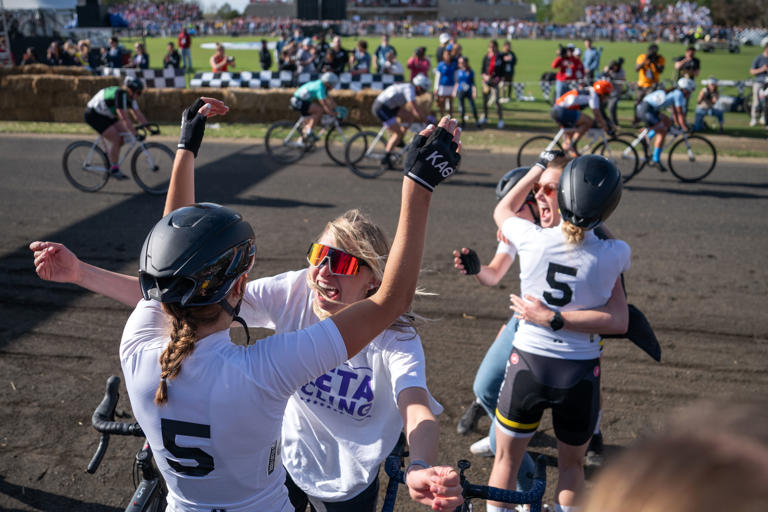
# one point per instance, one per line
(589, 190)
(134, 83)
(194, 255)
(509, 180)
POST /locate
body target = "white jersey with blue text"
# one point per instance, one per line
(566, 278)
(397, 95)
(339, 426)
(217, 439)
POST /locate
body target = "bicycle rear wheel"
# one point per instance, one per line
(336, 140)
(363, 158)
(284, 142)
(692, 159)
(621, 154)
(151, 167)
(529, 150)
(86, 166)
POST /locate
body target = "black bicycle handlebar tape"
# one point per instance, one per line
(432, 159)
(470, 261)
(192, 127)
(103, 419)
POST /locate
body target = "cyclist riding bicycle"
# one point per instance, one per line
(399, 101)
(107, 113)
(312, 100)
(649, 110)
(567, 112)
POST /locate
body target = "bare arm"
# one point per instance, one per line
(612, 318)
(54, 262)
(679, 118)
(511, 203)
(490, 274)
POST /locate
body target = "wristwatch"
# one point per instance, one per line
(557, 322)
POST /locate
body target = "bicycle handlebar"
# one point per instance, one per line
(152, 128)
(103, 420)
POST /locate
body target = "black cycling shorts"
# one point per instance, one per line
(97, 121)
(647, 113)
(300, 105)
(533, 383)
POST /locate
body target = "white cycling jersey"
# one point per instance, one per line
(217, 439)
(566, 278)
(396, 95)
(339, 426)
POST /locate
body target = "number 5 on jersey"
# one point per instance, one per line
(566, 293)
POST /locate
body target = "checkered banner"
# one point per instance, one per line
(167, 78)
(283, 79)
(547, 86)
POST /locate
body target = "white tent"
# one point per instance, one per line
(24, 5)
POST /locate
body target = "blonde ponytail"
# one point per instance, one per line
(574, 235)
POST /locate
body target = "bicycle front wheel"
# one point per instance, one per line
(86, 166)
(692, 158)
(151, 166)
(621, 154)
(529, 151)
(336, 140)
(363, 157)
(284, 142)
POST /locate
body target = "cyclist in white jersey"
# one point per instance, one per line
(108, 113)
(650, 111)
(215, 426)
(555, 363)
(399, 101)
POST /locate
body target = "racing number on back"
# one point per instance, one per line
(567, 293)
(173, 428)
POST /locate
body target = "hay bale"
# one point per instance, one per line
(34, 69)
(71, 71)
(47, 85)
(68, 114)
(92, 84)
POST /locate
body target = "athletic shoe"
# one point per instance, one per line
(500, 124)
(753, 122)
(386, 161)
(594, 455)
(482, 447)
(469, 419)
(310, 138)
(482, 121)
(114, 172)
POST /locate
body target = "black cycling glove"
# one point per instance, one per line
(547, 156)
(470, 261)
(192, 128)
(432, 159)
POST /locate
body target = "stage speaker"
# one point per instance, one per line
(308, 9)
(333, 9)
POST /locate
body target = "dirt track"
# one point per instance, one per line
(699, 271)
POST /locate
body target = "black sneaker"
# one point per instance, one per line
(386, 161)
(595, 450)
(469, 419)
(114, 172)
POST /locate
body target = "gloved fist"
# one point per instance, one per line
(192, 127)
(547, 156)
(470, 261)
(432, 158)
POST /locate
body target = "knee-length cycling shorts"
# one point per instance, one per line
(533, 383)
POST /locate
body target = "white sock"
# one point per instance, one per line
(564, 508)
(494, 508)
(597, 425)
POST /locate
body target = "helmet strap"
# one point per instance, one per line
(234, 312)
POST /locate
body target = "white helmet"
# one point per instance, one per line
(329, 79)
(686, 84)
(444, 37)
(422, 82)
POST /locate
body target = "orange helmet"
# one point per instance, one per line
(603, 87)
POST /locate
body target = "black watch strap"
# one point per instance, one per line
(557, 322)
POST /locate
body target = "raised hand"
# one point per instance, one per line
(434, 154)
(437, 487)
(547, 156)
(193, 122)
(466, 261)
(54, 262)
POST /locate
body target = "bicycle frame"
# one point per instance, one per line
(672, 135)
(413, 127)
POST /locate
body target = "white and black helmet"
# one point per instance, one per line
(589, 190)
(686, 84)
(421, 81)
(134, 83)
(509, 180)
(329, 78)
(194, 255)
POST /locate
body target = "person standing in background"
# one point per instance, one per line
(381, 52)
(759, 72)
(185, 43)
(172, 58)
(618, 78)
(418, 64)
(648, 66)
(265, 56)
(591, 59)
(492, 71)
(509, 60)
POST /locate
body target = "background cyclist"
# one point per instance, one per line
(399, 101)
(107, 113)
(567, 112)
(650, 111)
(313, 100)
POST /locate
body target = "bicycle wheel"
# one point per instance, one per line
(621, 154)
(692, 158)
(151, 167)
(364, 159)
(336, 140)
(284, 142)
(86, 166)
(529, 150)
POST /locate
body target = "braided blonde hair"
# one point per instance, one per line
(184, 324)
(574, 235)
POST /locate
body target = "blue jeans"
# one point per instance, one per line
(186, 58)
(701, 112)
(488, 380)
